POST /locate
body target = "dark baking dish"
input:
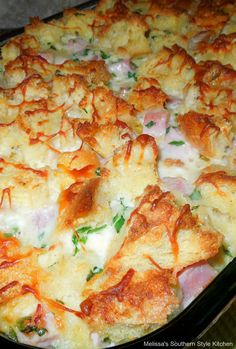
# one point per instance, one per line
(201, 314)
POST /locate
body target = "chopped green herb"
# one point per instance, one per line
(132, 75)
(176, 114)
(43, 246)
(106, 340)
(80, 14)
(114, 75)
(204, 158)
(86, 52)
(59, 301)
(84, 109)
(138, 11)
(1, 69)
(134, 65)
(40, 331)
(168, 32)
(227, 252)
(153, 37)
(177, 143)
(122, 204)
(150, 124)
(12, 335)
(196, 195)
(24, 326)
(53, 47)
(194, 207)
(108, 84)
(13, 232)
(169, 127)
(104, 55)
(22, 323)
(75, 242)
(41, 235)
(98, 171)
(8, 235)
(84, 231)
(118, 222)
(58, 73)
(94, 271)
(90, 40)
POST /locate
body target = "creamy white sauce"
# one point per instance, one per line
(30, 226)
(98, 243)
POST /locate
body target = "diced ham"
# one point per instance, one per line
(178, 183)
(76, 45)
(194, 279)
(155, 123)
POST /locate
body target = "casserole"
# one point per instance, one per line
(134, 126)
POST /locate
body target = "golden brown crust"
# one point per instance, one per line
(138, 298)
(200, 130)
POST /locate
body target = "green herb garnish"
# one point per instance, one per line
(98, 171)
(25, 328)
(84, 231)
(150, 124)
(132, 75)
(227, 252)
(52, 47)
(75, 242)
(85, 110)
(196, 195)
(194, 207)
(79, 14)
(106, 340)
(12, 335)
(86, 52)
(118, 222)
(58, 73)
(94, 271)
(60, 301)
(177, 143)
(104, 55)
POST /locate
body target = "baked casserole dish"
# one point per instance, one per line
(117, 169)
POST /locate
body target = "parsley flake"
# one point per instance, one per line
(150, 124)
(196, 195)
(84, 231)
(94, 271)
(118, 221)
(12, 335)
(227, 252)
(132, 75)
(80, 14)
(75, 242)
(86, 52)
(98, 171)
(104, 55)
(177, 143)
